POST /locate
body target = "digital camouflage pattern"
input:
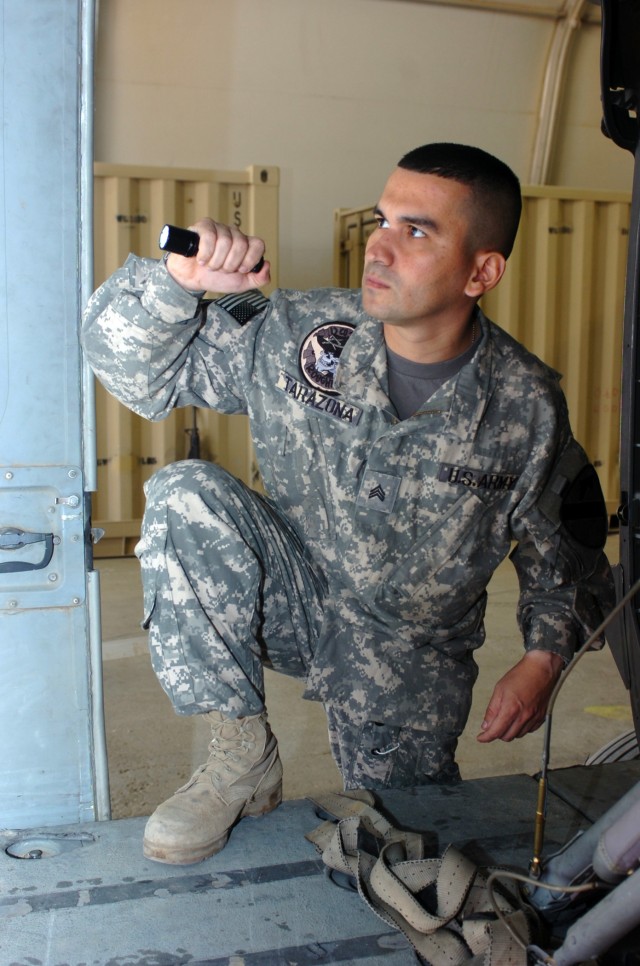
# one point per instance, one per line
(209, 547)
(365, 571)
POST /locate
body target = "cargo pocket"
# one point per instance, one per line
(392, 756)
(151, 552)
(373, 758)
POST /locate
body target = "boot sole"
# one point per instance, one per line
(254, 808)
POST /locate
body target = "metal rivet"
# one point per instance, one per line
(53, 578)
(8, 476)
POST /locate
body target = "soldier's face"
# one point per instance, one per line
(419, 261)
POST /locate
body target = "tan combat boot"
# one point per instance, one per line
(242, 776)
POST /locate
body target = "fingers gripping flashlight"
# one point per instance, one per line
(182, 241)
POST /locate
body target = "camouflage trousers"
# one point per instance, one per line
(229, 590)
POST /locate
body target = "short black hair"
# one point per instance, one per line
(495, 188)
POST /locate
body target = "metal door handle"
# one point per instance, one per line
(13, 538)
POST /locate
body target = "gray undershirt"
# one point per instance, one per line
(411, 384)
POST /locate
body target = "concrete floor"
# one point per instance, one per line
(152, 751)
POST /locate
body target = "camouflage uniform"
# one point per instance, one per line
(365, 570)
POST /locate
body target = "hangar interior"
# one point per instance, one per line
(522, 82)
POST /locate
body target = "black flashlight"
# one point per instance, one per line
(182, 241)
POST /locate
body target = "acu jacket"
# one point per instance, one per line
(406, 520)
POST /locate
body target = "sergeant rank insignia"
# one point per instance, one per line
(320, 353)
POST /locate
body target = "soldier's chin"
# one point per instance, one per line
(371, 308)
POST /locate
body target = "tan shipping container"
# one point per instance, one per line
(131, 204)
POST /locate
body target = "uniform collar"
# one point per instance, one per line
(473, 390)
(474, 387)
(363, 374)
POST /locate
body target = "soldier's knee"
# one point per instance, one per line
(178, 480)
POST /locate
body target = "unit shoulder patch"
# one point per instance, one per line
(320, 353)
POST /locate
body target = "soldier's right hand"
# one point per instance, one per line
(224, 262)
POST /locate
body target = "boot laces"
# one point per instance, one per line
(228, 742)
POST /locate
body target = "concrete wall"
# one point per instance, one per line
(333, 92)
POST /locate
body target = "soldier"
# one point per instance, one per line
(406, 444)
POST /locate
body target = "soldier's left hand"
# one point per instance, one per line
(520, 698)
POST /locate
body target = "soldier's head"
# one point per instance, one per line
(495, 198)
(446, 222)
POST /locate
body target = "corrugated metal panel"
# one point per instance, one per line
(562, 296)
(130, 206)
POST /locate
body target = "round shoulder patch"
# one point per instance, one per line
(320, 352)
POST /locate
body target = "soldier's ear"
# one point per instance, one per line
(487, 271)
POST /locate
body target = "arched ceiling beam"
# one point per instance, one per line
(554, 75)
